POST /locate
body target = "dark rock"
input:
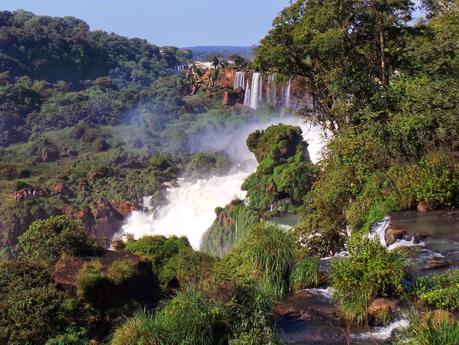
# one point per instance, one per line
(393, 234)
(382, 308)
(436, 263)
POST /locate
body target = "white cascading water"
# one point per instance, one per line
(239, 80)
(247, 94)
(256, 90)
(190, 206)
(378, 232)
(288, 95)
(271, 93)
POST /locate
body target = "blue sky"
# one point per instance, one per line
(180, 23)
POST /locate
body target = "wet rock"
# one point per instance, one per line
(393, 234)
(382, 308)
(231, 98)
(306, 307)
(434, 263)
(423, 207)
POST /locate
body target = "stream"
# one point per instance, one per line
(309, 317)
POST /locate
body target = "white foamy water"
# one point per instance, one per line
(378, 232)
(384, 333)
(190, 207)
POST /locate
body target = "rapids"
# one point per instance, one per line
(189, 208)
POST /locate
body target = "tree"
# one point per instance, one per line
(46, 240)
(31, 308)
(346, 48)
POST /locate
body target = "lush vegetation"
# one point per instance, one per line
(91, 122)
(370, 271)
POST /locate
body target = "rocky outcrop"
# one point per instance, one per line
(382, 308)
(65, 271)
(231, 98)
(125, 207)
(393, 234)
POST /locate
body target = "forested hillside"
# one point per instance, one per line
(358, 246)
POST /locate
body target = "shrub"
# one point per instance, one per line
(305, 274)
(162, 252)
(439, 291)
(89, 279)
(72, 335)
(430, 332)
(370, 271)
(270, 252)
(48, 239)
(191, 318)
(31, 308)
(121, 271)
(140, 329)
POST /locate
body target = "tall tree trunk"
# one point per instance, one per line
(382, 44)
(382, 48)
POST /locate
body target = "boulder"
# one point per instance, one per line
(393, 234)
(423, 207)
(382, 308)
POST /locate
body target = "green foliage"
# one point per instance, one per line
(191, 318)
(440, 291)
(31, 308)
(305, 274)
(140, 329)
(48, 239)
(269, 252)
(208, 164)
(163, 252)
(230, 228)
(284, 170)
(73, 335)
(370, 271)
(121, 270)
(430, 333)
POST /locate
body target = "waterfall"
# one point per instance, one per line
(287, 94)
(239, 80)
(247, 94)
(256, 90)
(271, 94)
(189, 209)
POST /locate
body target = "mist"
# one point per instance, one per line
(189, 209)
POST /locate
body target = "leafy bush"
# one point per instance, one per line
(270, 253)
(305, 274)
(230, 228)
(48, 239)
(72, 335)
(140, 329)
(31, 308)
(191, 318)
(121, 271)
(370, 271)
(440, 291)
(163, 252)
